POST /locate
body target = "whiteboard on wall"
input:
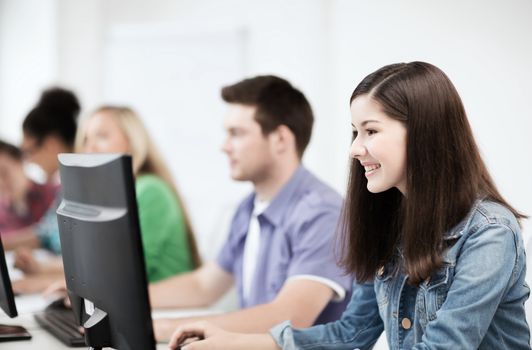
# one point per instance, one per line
(172, 78)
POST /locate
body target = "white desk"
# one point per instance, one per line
(42, 340)
(28, 305)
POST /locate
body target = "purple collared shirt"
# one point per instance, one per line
(297, 238)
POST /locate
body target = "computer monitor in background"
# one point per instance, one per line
(7, 303)
(102, 251)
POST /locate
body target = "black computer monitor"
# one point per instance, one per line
(102, 251)
(7, 303)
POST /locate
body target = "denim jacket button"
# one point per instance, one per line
(406, 323)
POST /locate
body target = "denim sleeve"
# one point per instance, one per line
(359, 327)
(488, 265)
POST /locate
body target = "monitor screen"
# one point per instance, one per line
(102, 251)
(7, 303)
(7, 299)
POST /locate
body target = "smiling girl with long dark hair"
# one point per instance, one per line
(436, 250)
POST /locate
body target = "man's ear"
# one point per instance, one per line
(284, 139)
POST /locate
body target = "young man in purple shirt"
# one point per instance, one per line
(280, 249)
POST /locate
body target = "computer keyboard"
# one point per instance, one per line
(61, 323)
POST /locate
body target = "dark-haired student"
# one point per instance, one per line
(280, 249)
(437, 251)
(23, 202)
(48, 129)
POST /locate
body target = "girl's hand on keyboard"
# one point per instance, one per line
(205, 336)
(191, 333)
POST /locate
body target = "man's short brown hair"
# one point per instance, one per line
(277, 103)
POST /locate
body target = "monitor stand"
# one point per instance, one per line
(97, 328)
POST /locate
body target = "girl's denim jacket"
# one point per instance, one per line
(475, 301)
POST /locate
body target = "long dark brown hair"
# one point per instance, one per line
(445, 175)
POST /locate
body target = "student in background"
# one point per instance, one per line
(48, 129)
(280, 249)
(167, 236)
(437, 251)
(22, 201)
(168, 241)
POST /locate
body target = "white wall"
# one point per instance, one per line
(28, 58)
(80, 32)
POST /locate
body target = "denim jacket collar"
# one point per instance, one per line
(457, 231)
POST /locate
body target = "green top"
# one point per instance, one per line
(163, 229)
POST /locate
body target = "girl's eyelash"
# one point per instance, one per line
(369, 132)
